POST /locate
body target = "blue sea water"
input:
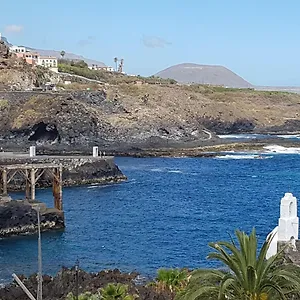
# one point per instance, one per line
(163, 216)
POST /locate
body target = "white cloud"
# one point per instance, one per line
(13, 28)
(155, 42)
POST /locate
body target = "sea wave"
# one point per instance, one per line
(289, 136)
(252, 156)
(238, 136)
(157, 170)
(282, 150)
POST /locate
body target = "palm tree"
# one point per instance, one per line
(116, 62)
(173, 280)
(62, 54)
(115, 292)
(249, 277)
(84, 296)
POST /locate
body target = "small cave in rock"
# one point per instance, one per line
(43, 132)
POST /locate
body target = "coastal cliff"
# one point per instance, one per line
(128, 116)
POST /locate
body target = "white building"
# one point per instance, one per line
(109, 69)
(18, 49)
(49, 62)
(99, 68)
(287, 230)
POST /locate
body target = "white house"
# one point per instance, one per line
(109, 69)
(49, 62)
(99, 68)
(18, 49)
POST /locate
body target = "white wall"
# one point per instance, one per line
(47, 62)
(17, 49)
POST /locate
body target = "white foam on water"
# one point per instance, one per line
(175, 171)
(252, 156)
(282, 150)
(289, 136)
(97, 186)
(240, 136)
(157, 170)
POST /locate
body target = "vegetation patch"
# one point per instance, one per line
(26, 117)
(3, 103)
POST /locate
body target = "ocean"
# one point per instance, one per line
(163, 216)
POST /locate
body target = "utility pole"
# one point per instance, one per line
(76, 279)
(39, 278)
(40, 274)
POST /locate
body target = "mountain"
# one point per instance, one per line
(204, 74)
(6, 42)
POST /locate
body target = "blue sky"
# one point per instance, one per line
(257, 39)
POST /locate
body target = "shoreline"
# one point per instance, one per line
(208, 151)
(199, 149)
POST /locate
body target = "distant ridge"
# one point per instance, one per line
(204, 74)
(4, 39)
(70, 56)
(55, 53)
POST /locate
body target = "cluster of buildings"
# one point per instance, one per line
(51, 62)
(34, 58)
(104, 68)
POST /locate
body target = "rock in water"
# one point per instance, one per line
(19, 217)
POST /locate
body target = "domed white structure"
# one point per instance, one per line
(288, 225)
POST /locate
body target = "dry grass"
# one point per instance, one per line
(3, 103)
(187, 102)
(148, 104)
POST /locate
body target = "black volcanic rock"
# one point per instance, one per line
(59, 286)
(18, 217)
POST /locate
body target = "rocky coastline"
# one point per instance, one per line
(59, 286)
(124, 118)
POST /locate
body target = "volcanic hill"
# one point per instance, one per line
(204, 74)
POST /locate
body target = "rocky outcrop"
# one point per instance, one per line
(19, 217)
(4, 51)
(59, 286)
(80, 120)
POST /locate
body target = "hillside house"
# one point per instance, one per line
(49, 62)
(99, 68)
(18, 49)
(30, 57)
